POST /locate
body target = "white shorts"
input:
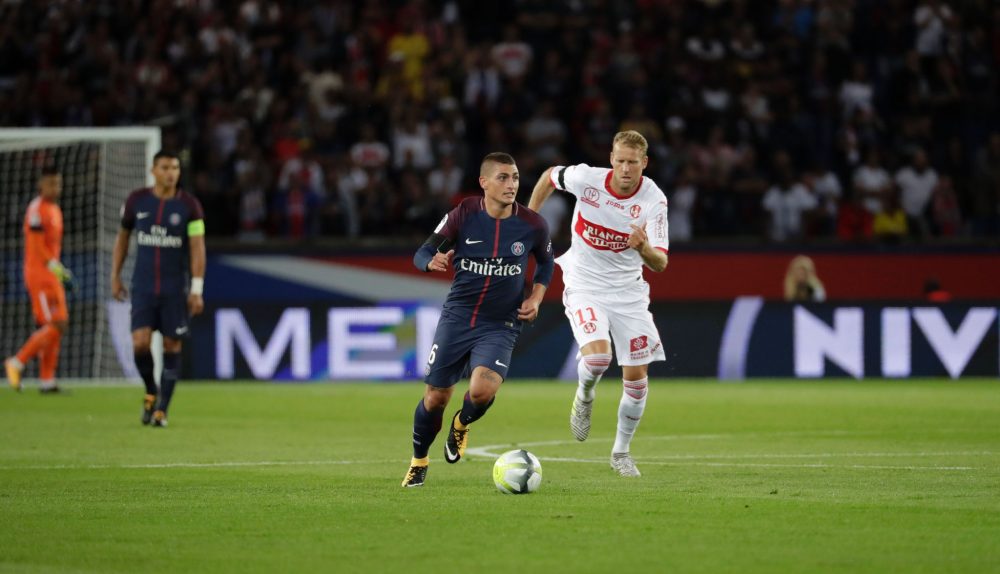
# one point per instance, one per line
(622, 317)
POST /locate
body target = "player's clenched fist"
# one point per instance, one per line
(440, 261)
(638, 237)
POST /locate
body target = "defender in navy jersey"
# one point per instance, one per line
(170, 235)
(490, 239)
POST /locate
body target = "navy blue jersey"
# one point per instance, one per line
(491, 260)
(161, 230)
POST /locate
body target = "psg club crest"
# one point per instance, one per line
(638, 343)
(517, 248)
(635, 211)
(175, 219)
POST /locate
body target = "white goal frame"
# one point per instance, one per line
(14, 139)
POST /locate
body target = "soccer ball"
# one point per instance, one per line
(517, 472)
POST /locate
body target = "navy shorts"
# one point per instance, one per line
(458, 349)
(167, 314)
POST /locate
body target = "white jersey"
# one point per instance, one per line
(599, 257)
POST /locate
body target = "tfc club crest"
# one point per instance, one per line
(590, 195)
(638, 343)
(517, 248)
(635, 211)
(589, 328)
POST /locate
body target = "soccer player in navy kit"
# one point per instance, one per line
(170, 233)
(490, 239)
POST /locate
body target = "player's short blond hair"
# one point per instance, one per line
(633, 139)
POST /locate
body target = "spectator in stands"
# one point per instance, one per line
(916, 183)
(680, 216)
(826, 81)
(931, 19)
(890, 224)
(826, 187)
(946, 216)
(854, 221)
(445, 183)
(787, 202)
(368, 152)
(411, 143)
(512, 56)
(802, 284)
(544, 134)
(872, 183)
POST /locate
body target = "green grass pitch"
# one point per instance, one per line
(772, 476)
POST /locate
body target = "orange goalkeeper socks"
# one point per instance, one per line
(39, 340)
(50, 358)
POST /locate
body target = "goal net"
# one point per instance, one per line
(100, 166)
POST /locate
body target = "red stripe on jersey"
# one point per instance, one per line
(496, 240)
(156, 252)
(486, 284)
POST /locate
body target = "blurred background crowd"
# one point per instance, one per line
(772, 120)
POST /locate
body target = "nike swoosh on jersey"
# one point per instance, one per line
(499, 363)
(471, 242)
(142, 215)
(181, 330)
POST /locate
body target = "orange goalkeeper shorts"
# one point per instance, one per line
(48, 301)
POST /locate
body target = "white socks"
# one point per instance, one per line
(629, 412)
(589, 370)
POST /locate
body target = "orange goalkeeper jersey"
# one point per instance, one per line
(43, 231)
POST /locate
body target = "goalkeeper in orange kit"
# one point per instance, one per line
(44, 276)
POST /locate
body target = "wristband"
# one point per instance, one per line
(197, 285)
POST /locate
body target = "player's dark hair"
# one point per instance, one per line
(495, 157)
(50, 169)
(165, 154)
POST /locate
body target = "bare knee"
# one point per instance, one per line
(436, 399)
(171, 345)
(484, 385)
(140, 342)
(601, 347)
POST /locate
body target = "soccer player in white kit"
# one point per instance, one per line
(619, 224)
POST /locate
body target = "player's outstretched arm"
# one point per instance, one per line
(543, 189)
(118, 290)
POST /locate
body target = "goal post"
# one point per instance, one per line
(100, 166)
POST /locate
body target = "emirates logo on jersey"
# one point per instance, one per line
(600, 237)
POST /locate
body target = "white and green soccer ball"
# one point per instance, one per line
(517, 472)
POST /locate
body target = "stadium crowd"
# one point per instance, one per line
(857, 120)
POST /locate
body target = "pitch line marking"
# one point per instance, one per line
(223, 464)
(488, 451)
(764, 465)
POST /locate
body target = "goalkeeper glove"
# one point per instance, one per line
(64, 275)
